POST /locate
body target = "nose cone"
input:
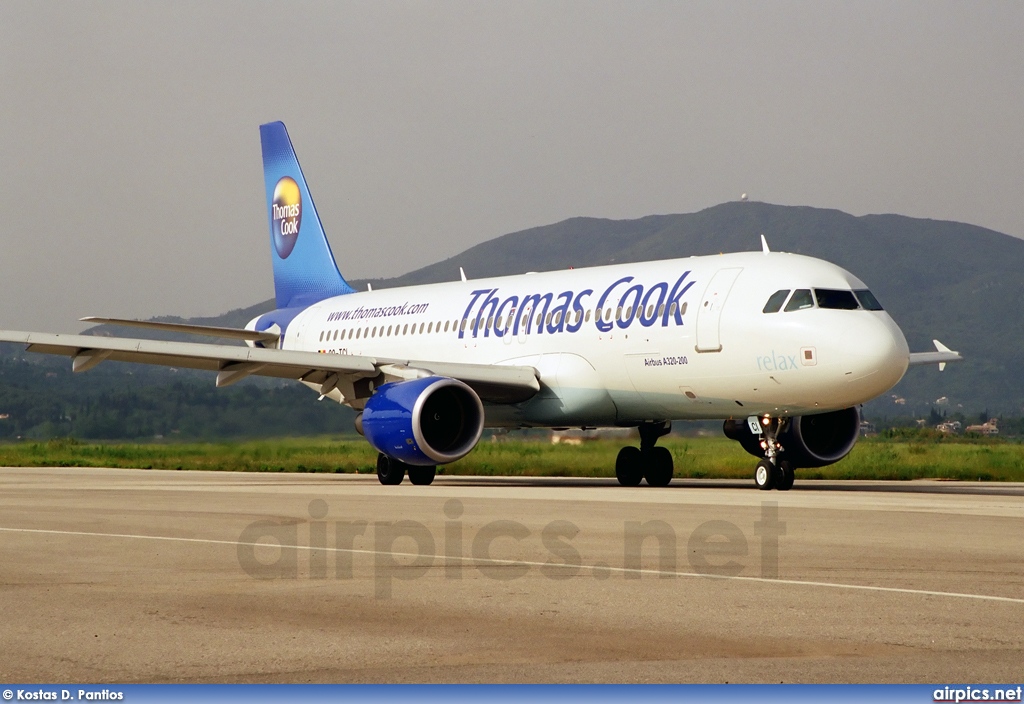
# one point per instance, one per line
(875, 353)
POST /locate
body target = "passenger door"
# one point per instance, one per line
(710, 312)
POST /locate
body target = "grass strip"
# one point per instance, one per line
(714, 458)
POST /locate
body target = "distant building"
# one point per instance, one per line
(577, 436)
(867, 428)
(949, 427)
(989, 428)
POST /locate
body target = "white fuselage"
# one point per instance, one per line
(622, 344)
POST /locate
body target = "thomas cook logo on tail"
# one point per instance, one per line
(286, 215)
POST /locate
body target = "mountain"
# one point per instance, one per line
(959, 283)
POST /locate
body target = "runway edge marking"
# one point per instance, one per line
(472, 560)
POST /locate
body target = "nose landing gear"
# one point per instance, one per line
(649, 461)
(773, 472)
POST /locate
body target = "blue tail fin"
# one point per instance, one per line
(304, 268)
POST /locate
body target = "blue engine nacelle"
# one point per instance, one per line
(429, 421)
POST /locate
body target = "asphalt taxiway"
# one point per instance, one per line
(133, 575)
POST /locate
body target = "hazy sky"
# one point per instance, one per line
(130, 159)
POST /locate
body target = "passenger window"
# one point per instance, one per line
(774, 304)
(801, 299)
(321, 336)
(587, 320)
(672, 309)
(405, 330)
(868, 300)
(835, 299)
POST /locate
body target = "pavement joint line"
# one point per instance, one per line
(475, 560)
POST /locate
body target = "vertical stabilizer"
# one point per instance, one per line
(304, 268)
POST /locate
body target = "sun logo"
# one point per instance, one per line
(286, 215)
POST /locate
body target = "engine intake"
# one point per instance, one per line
(429, 421)
(807, 441)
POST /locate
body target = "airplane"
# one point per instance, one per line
(783, 347)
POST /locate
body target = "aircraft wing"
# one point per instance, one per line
(493, 383)
(942, 354)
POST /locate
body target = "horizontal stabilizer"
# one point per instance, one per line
(942, 355)
(207, 330)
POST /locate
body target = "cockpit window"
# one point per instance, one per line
(868, 300)
(801, 299)
(774, 304)
(835, 299)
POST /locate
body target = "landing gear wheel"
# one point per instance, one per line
(628, 466)
(784, 476)
(390, 472)
(422, 475)
(764, 475)
(658, 470)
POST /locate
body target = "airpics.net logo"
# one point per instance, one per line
(286, 215)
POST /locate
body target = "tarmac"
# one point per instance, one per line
(119, 576)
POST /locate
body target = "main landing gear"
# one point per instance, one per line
(648, 461)
(773, 472)
(391, 471)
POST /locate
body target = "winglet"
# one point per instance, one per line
(462, 273)
(941, 348)
(764, 246)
